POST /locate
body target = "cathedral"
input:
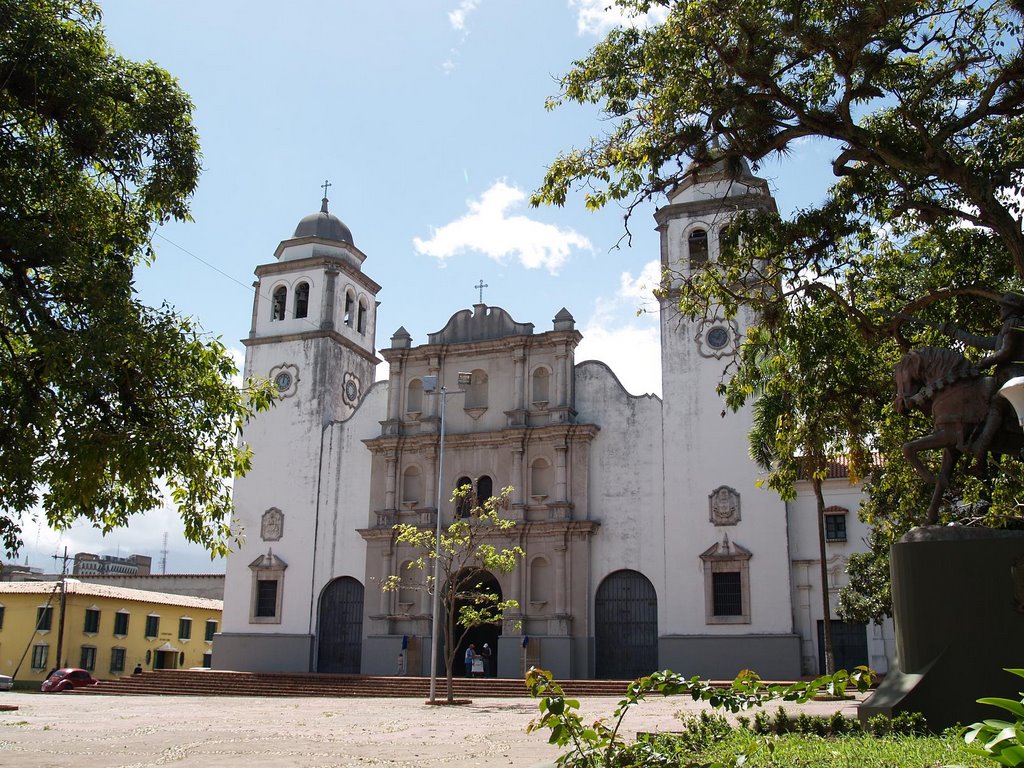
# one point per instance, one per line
(649, 542)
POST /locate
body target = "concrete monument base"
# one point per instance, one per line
(958, 605)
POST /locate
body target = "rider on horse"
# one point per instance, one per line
(1006, 356)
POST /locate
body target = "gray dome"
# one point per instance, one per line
(324, 226)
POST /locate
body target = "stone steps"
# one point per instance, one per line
(222, 683)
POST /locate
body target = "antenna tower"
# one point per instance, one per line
(163, 555)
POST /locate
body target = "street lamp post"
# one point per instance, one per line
(430, 387)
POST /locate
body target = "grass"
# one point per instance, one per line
(708, 738)
(856, 751)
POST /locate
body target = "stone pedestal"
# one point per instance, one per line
(958, 605)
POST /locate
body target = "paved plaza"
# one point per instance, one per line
(143, 731)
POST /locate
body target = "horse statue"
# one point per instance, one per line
(945, 385)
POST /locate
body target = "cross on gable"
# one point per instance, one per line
(481, 286)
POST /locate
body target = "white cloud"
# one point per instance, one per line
(630, 346)
(489, 229)
(597, 17)
(641, 288)
(628, 342)
(458, 16)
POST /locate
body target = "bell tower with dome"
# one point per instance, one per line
(312, 334)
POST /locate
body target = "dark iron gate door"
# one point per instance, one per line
(340, 635)
(849, 645)
(626, 626)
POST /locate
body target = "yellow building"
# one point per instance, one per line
(107, 630)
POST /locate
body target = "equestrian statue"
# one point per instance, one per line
(968, 414)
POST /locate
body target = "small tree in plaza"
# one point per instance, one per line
(469, 548)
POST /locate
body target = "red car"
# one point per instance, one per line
(66, 679)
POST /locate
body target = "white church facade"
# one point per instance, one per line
(649, 544)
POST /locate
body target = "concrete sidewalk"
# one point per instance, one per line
(141, 731)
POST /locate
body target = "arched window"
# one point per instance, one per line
(412, 486)
(361, 325)
(350, 302)
(697, 242)
(484, 489)
(464, 503)
(301, 299)
(476, 392)
(278, 303)
(540, 385)
(414, 397)
(540, 478)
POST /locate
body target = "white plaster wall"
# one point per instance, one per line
(806, 569)
(286, 459)
(625, 480)
(345, 495)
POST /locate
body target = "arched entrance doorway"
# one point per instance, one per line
(479, 636)
(625, 626)
(340, 627)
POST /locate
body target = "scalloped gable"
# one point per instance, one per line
(483, 323)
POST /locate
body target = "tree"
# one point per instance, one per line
(469, 549)
(921, 103)
(104, 399)
(813, 408)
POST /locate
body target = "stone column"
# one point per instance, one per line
(390, 468)
(327, 308)
(519, 379)
(395, 390)
(561, 358)
(518, 476)
(561, 588)
(560, 473)
(430, 496)
(387, 566)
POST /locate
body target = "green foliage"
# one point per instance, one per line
(903, 724)
(468, 549)
(600, 744)
(105, 401)
(1000, 740)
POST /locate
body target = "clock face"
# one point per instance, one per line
(351, 390)
(283, 381)
(717, 337)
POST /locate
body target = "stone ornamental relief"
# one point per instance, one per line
(272, 526)
(724, 506)
(717, 338)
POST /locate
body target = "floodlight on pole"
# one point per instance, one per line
(430, 387)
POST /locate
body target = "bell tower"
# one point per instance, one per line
(312, 334)
(720, 527)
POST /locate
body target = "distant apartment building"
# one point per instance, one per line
(88, 564)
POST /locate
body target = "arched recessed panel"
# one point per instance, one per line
(414, 397)
(340, 628)
(625, 626)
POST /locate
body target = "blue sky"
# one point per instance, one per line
(428, 118)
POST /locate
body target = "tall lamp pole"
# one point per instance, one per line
(430, 387)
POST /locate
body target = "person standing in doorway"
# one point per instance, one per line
(486, 653)
(470, 656)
